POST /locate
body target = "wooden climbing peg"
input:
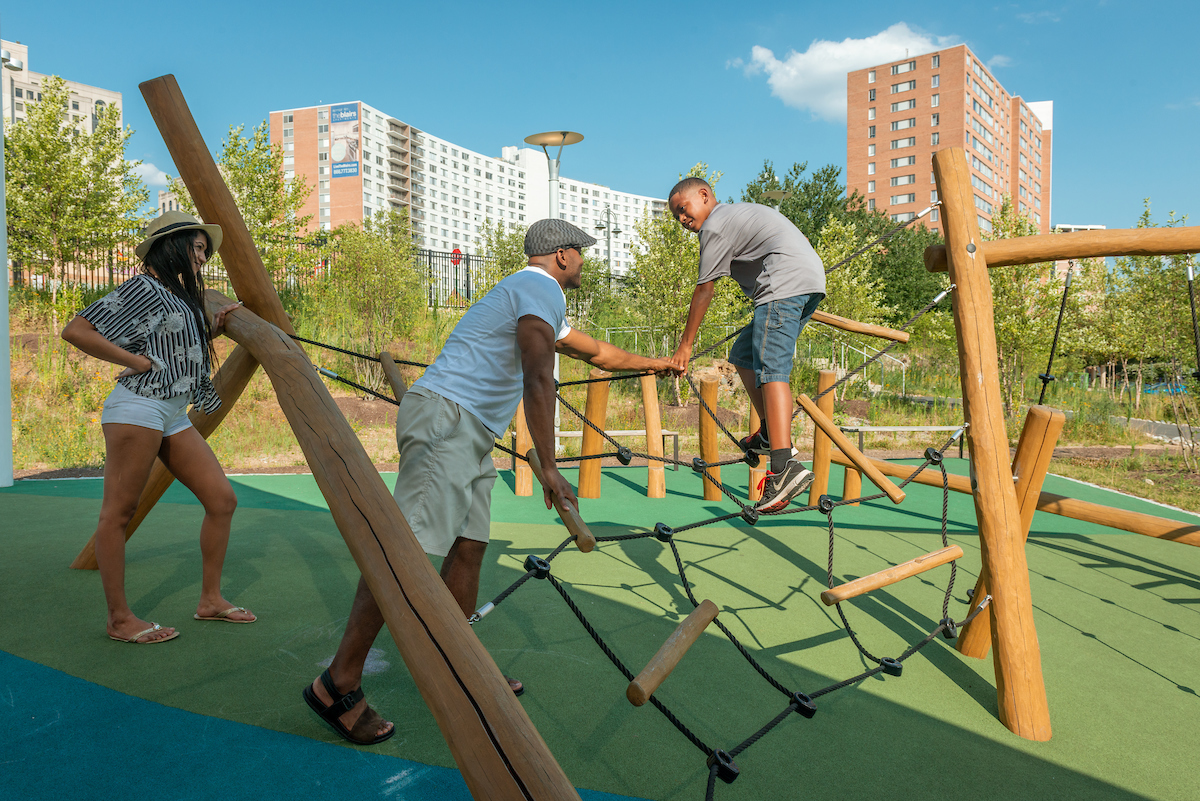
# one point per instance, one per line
(658, 668)
(568, 513)
(913, 567)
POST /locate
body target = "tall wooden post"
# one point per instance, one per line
(708, 436)
(757, 474)
(821, 441)
(851, 485)
(524, 477)
(500, 753)
(1020, 687)
(1029, 466)
(596, 412)
(656, 479)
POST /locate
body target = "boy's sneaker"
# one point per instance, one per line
(756, 442)
(778, 489)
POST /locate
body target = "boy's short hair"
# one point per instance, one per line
(687, 184)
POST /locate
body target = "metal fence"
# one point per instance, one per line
(453, 278)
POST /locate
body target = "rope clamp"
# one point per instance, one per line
(479, 614)
(949, 629)
(727, 769)
(751, 458)
(804, 704)
(663, 532)
(891, 667)
(983, 604)
(825, 504)
(538, 566)
(933, 456)
(750, 514)
(624, 455)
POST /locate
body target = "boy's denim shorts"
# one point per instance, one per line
(768, 345)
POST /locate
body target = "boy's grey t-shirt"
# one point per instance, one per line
(480, 366)
(762, 250)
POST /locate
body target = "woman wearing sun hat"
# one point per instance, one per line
(154, 325)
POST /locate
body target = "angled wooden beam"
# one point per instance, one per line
(856, 457)
(1039, 435)
(855, 327)
(822, 445)
(584, 540)
(1020, 688)
(500, 753)
(1078, 245)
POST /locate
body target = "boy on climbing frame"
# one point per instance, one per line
(780, 272)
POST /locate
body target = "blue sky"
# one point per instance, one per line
(655, 87)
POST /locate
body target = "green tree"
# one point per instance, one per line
(504, 252)
(371, 293)
(1025, 305)
(69, 192)
(270, 203)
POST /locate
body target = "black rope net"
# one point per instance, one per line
(721, 762)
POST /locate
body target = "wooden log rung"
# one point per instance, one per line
(913, 567)
(658, 668)
(568, 513)
(861, 461)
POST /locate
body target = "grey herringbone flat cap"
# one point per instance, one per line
(547, 236)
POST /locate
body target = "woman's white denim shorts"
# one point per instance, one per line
(168, 416)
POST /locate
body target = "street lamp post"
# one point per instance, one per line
(544, 140)
(609, 228)
(6, 440)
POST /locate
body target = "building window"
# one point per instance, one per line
(904, 162)
(983, 205)
(871, 113)
(933, 120)
(870, 186)
(935, 101)
(904, 105)
(871, 76)
(870, 150)
(904, 180)
(937, 61)
(899, 143)
(871, 132)
(904, 86)
(907, 66)
(900, 125)
(904, 216)
(287, 117)
(900, 200)
(870, 95)
(934, 139)
(871, 168)
(871, 204)
(936, 81)
(933, 199)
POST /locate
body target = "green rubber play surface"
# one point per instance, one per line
(1118, 618)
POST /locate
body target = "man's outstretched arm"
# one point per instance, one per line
(599, 353)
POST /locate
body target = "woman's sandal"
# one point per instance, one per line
(364, 729)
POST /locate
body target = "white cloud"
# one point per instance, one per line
(999, 61)
(152, 175)
(816, 79)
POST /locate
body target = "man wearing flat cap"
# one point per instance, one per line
(501, 351)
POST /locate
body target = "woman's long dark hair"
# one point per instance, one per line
(171, 260)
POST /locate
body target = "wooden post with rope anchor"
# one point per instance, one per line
(759, 472)
(656, 478)
(1029, 466)
(1020, 688)
(524, 477)
(821, 442)
(596, 411)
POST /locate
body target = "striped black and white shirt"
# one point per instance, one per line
(145, 318)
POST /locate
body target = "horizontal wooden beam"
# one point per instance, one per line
(1134, 522)
(1078, 245)
(913, 567)
(658, 668)
(855, 327)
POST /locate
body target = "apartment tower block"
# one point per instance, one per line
(899, 113)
